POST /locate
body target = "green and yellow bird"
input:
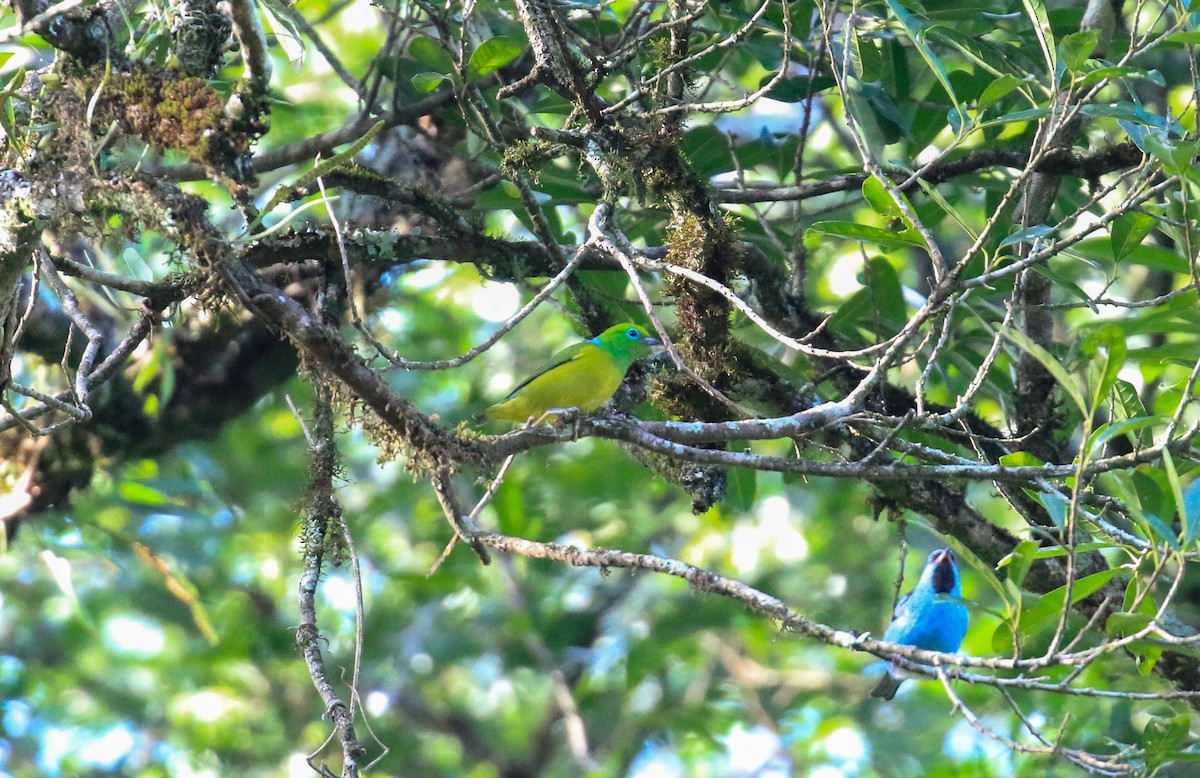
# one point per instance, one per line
(584, 376)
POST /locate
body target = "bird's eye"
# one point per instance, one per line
(633, 334)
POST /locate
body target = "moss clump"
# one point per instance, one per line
(183, 114)
(527, 156)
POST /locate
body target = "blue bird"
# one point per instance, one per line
(931, 616)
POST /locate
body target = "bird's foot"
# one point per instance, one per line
(561, 417)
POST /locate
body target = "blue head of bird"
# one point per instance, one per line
(941, 573)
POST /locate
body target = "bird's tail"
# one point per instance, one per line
(887, 687)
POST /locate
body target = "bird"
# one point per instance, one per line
(582, 376)
(932, 616)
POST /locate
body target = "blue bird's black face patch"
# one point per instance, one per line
(943, 574)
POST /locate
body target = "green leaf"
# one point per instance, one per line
(867, 234)
(1114, 72)
(1191, 511)
(1153, 492)
(1067, 285)
(881, 201)
(796, 89)
(1107, 432)
(1127, 232)
(1020, 561)
(1020, 459)
(142, 494)
(1049, 605)
(1176, 491)
(742, 489)
(1075, 49)
(1044, 32)
(1108, 346)
(1184, 37)
(1164, 736)
(1123, 624)
(1066, 380)
(887, 296)
(323, 168)
(427, 82)
(916, 33)
(1156, 529)
(998, 90)
(1027, 235)
(1056, 505)
(492, 55)
(865, 60)
(1130, 401)
(1052, 552)
(1027, 115)
(430, 53)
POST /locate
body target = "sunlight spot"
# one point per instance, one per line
(496, 302)
(773, 533)
(577, 598)
(207, 706)
(71, 539)
(421, 664)
(17, 717)
(108, 749)
(60, 571)
(339, 592)
(657, 761)
(756, 751)
(827, 771)
(645, 696)
(392, 320)
(500, 381)
(843, 276)
(377, 703)
(846, 745)
(133, 635)
(359, 16)
(426, 277)
(964, 742)
(56, 744)
(501, 693)
(465, 600)
(764, 115)
(297, 766)
(270, 569)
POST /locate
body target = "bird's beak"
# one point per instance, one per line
(652, 341)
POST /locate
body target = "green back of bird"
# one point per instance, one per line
(584, 375)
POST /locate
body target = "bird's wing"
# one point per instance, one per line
(561, 358)
(901, 621)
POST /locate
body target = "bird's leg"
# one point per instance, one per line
(565, 416)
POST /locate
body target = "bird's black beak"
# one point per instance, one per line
(652, 341)
(943, 571)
